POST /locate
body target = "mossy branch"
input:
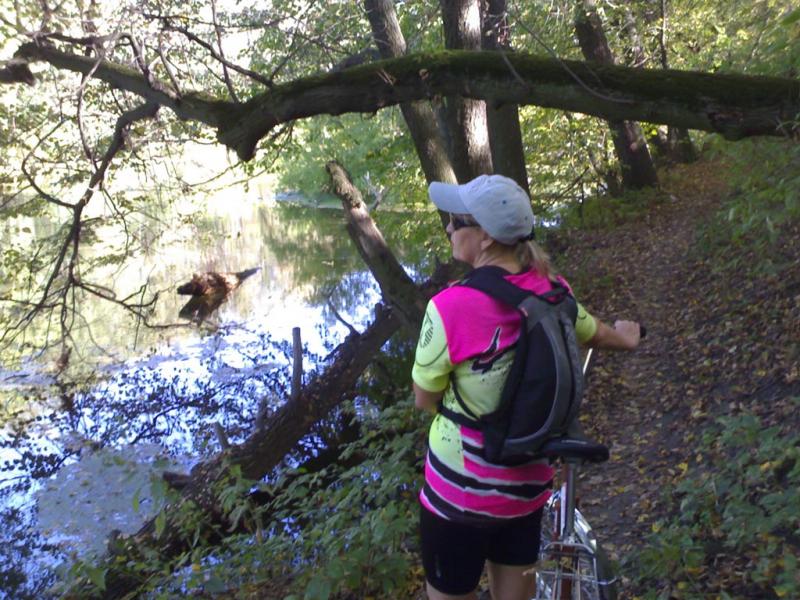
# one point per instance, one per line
(735, 106)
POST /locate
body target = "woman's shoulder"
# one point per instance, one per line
(456, 297)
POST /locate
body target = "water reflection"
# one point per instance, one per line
(303, 254)
(169, 387)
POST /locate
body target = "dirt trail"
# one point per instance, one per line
(640, 404)
(723, 337)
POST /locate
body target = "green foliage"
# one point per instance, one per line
(606, 212)
(348, 528)
(568, 152)
(764, 198)
(295, 38)
(758, 37)
(376, 150)
(344, 529)
(737, 515)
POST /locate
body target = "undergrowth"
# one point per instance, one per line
(606, 212)
(354, 538)
(764, 176)
(735, 531)
(346, 531)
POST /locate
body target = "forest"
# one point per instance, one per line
(289, 145)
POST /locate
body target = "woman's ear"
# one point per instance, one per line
(486, 241)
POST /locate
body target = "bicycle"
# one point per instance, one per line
(572, 565)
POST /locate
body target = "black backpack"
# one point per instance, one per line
(542, 394)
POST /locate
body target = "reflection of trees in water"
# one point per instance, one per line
(298, 248)
(20, 546)
(312, 245)
(175, 406)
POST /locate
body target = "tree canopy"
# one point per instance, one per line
(247, 75)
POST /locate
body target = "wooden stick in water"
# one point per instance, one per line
(297, 363)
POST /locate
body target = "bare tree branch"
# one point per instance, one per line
(167, 66)
(218, 56)
(60, 297)
(29, 177)
(221, 58)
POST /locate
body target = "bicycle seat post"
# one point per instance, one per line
(568, 495)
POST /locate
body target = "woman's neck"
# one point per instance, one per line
(505, 260)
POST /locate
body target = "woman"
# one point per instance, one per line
(473, 512)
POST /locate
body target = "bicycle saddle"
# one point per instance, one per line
(581, 449)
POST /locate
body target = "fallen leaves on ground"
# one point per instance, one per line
(723, 337)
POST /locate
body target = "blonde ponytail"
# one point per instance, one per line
(530, 255)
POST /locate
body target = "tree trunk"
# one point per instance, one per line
(678, 143)
(635, 162)
(466, 117)
(397, 288)
(505, 135)
(419, 116)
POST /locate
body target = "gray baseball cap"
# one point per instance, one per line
(499, 205)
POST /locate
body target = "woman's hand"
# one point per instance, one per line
(625, 335)
(630, 333)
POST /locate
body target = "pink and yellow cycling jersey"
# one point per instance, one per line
(470, 336)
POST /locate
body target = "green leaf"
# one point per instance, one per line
(792, 17)
(236, 516)
(135, 501)
(97, 575)
(214, 585)
(318, 589)
(161, 523)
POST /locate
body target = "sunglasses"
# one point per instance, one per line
(460, 223)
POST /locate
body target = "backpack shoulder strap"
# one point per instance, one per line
(491, 281)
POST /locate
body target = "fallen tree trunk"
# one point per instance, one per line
(256, 457)
(735, 106)
(396, 285)
(277, 435)
(330, 455)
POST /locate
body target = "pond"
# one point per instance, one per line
(81, 454)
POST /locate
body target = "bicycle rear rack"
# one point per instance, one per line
(568, 569)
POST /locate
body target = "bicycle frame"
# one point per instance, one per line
(568, 567)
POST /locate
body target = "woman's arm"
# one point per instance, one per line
(625, 335)
(425, 400)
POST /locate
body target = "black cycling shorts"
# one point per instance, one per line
(453, 553)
